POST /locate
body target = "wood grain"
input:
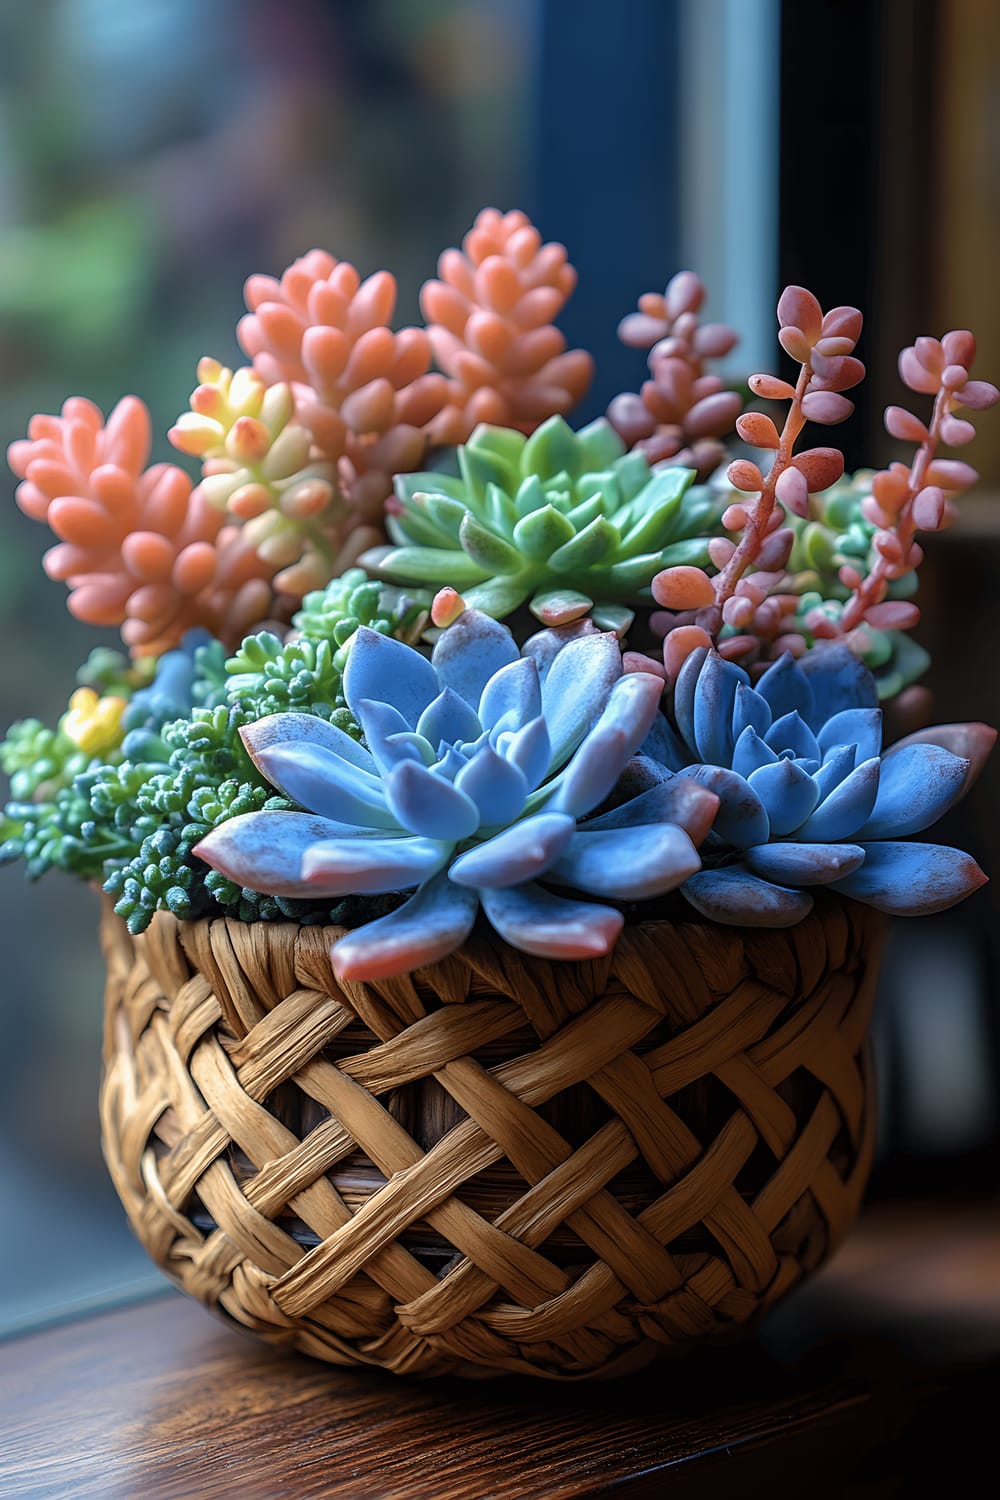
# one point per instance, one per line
(163, 1401)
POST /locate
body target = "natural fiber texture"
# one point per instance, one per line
(496, 1164)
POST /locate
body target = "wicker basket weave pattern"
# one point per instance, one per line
(496, 1164)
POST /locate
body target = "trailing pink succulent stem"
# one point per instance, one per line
(893, 562)
(760, 515)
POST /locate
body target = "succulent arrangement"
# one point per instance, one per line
(411, 653)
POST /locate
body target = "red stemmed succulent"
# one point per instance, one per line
(681, 412)
(823, 344)
(907, 498)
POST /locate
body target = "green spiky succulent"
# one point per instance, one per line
(566, 522)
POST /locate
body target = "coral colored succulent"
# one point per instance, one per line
(364, 393)
(682, 412)
(478, 766)
(562, 521)
(490, 323)
(136, 547)
(806, 797)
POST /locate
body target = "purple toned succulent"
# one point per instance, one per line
(805, 796)
(479, 764)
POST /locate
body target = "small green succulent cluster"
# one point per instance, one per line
(42, 820)
(304, 674)
(131, 817)
(566, 522)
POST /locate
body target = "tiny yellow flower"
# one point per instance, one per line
(93, 723)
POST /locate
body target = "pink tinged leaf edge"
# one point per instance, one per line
(432, 924)
(972, 742)
(549, 926)
(263, 851)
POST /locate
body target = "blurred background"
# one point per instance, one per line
(154, 154)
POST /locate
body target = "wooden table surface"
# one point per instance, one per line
(871, 1378)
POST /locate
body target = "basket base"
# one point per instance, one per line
(497, 1164)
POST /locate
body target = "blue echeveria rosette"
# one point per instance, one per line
(478, 766)
(806, 796)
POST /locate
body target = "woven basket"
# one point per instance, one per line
(496, 1164)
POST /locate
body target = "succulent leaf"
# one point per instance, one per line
(627, 864)
(429, 926)
(550, 926)
(912, 880)
(733, 895)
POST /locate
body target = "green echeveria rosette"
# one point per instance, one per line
(477, 769)
(806, 797)
(565, 522)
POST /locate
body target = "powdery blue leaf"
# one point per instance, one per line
(388, 734)
(846, 808)
(677, 800)
(733, 895)
(742, 818)
(685, 689)
(751, 711)
(408, 745)
(633, 706)
(785, 687)
(298, 729)
(973, 742)
(838, 680)
(788, 793)
(861, 727)
(449, 719)
(912, 880)
(838, 763)
(536, 921)
(804, 864)
(751, 752)
(469, 652)
(388, 671)
(576, 689)
(545, 645)
(592, 772)
(371, 866)
(915, 787)
(791, 732)
(714, 703)
(518, 854)
(638, 774)
(432, 924)
(429, 804)
(263, 850)
(513, 691)
(320, 781)
(627, 864)
(528, 749)
(496, 786)
(662, 744)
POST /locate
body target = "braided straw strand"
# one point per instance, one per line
(495, 1164)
